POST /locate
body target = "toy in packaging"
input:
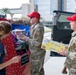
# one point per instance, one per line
(53, 45)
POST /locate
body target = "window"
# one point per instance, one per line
(62, 22)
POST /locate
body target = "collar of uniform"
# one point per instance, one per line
(35, 25)
(74, 34)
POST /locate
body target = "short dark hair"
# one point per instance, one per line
(6, 26)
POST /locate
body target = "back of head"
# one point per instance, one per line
(6, 26)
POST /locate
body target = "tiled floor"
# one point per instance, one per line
(53, 65)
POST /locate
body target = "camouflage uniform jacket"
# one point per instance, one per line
(71, 54)
(36, 37)
(37, 54)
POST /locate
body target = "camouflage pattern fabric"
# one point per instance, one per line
(37, 54)
(70, 62)
(72, 71)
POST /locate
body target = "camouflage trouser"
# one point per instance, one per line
(72, 71)
(37, 62)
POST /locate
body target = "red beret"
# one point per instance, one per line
(34, 14)
(72, 18)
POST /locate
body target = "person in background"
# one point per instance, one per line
(35, 42)
(70, 62)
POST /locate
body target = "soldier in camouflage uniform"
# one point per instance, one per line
(35, 42)
(70, 62)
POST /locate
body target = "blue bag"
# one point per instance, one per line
(21, 26)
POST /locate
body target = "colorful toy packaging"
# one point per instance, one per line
(53, 45)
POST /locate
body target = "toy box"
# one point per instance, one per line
(53, 45)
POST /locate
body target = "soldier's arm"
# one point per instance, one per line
(37, 38)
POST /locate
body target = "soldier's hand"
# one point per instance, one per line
(63, 51)
(22, 37)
